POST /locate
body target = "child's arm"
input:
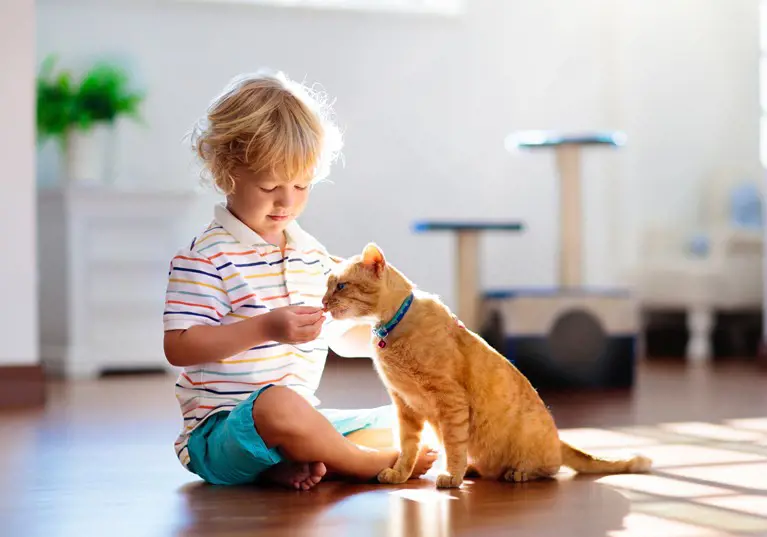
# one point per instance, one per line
(204, 343)
(196, 304)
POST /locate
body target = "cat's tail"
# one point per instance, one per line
(584, 463)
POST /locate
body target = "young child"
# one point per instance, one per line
(243, 313)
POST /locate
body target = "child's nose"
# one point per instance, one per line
(285, 199)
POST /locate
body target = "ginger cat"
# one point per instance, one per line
(483, 410)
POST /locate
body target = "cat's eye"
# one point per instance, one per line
(340, 286)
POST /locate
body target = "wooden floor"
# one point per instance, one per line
(99, 462)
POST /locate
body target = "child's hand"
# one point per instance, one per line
(426, 458)
(294, 324)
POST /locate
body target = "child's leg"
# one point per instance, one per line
(287, 421)
(371, 427)
(387, 438)
(373, 438)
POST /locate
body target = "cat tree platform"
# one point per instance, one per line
(467, 261)
(567, 148)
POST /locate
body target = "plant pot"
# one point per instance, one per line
(88, 156)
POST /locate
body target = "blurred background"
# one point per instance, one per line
(619, 247)
(427, 93)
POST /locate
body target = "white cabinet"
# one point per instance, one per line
(103, 264)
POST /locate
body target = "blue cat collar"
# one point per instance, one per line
(381, 331)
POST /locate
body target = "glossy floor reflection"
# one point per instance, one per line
(99, 461)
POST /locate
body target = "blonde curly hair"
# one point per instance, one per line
(264, 122)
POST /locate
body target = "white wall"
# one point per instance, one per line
(18, 266)
(426, 104)
(687, 76)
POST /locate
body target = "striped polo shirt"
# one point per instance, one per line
(229, 273)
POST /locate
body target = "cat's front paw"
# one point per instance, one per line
(390, 476)
(447, 481)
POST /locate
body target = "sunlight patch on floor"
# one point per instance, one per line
(703, 515)
(751, 475)
(641, 525)
(677, 455)
(754, 424)
(661, 486)
(423, 495)
(590, 438)
(712, 431)
(745, 503)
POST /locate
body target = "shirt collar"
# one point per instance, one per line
(296, 236)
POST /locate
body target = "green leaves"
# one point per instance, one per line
(56, 101)
(103, 95)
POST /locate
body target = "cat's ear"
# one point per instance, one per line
(373, 258)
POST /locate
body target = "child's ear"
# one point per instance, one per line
(373, 257)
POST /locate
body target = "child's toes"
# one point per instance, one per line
(317, 471)
(309, 482)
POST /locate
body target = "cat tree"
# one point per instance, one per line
(568, 157)
(569, 336)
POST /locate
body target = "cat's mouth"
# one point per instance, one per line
(336, 311)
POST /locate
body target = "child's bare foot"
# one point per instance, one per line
(426, 458)
(299, 476)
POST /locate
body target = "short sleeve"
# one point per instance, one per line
(195, 293)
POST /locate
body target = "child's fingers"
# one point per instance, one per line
(306, 310)
(311, 319)
(310, 332)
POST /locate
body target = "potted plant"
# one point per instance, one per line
(82, 115)
(55, 102)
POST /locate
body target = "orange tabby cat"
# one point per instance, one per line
(484, 411)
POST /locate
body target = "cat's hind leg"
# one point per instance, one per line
(472, 471)
(536, 454)
(520, 475)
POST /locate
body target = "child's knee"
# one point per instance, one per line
(278, 413)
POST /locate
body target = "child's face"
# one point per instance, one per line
(268, 203)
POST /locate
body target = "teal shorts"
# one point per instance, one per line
(227, 450)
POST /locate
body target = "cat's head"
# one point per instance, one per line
(356, 286)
